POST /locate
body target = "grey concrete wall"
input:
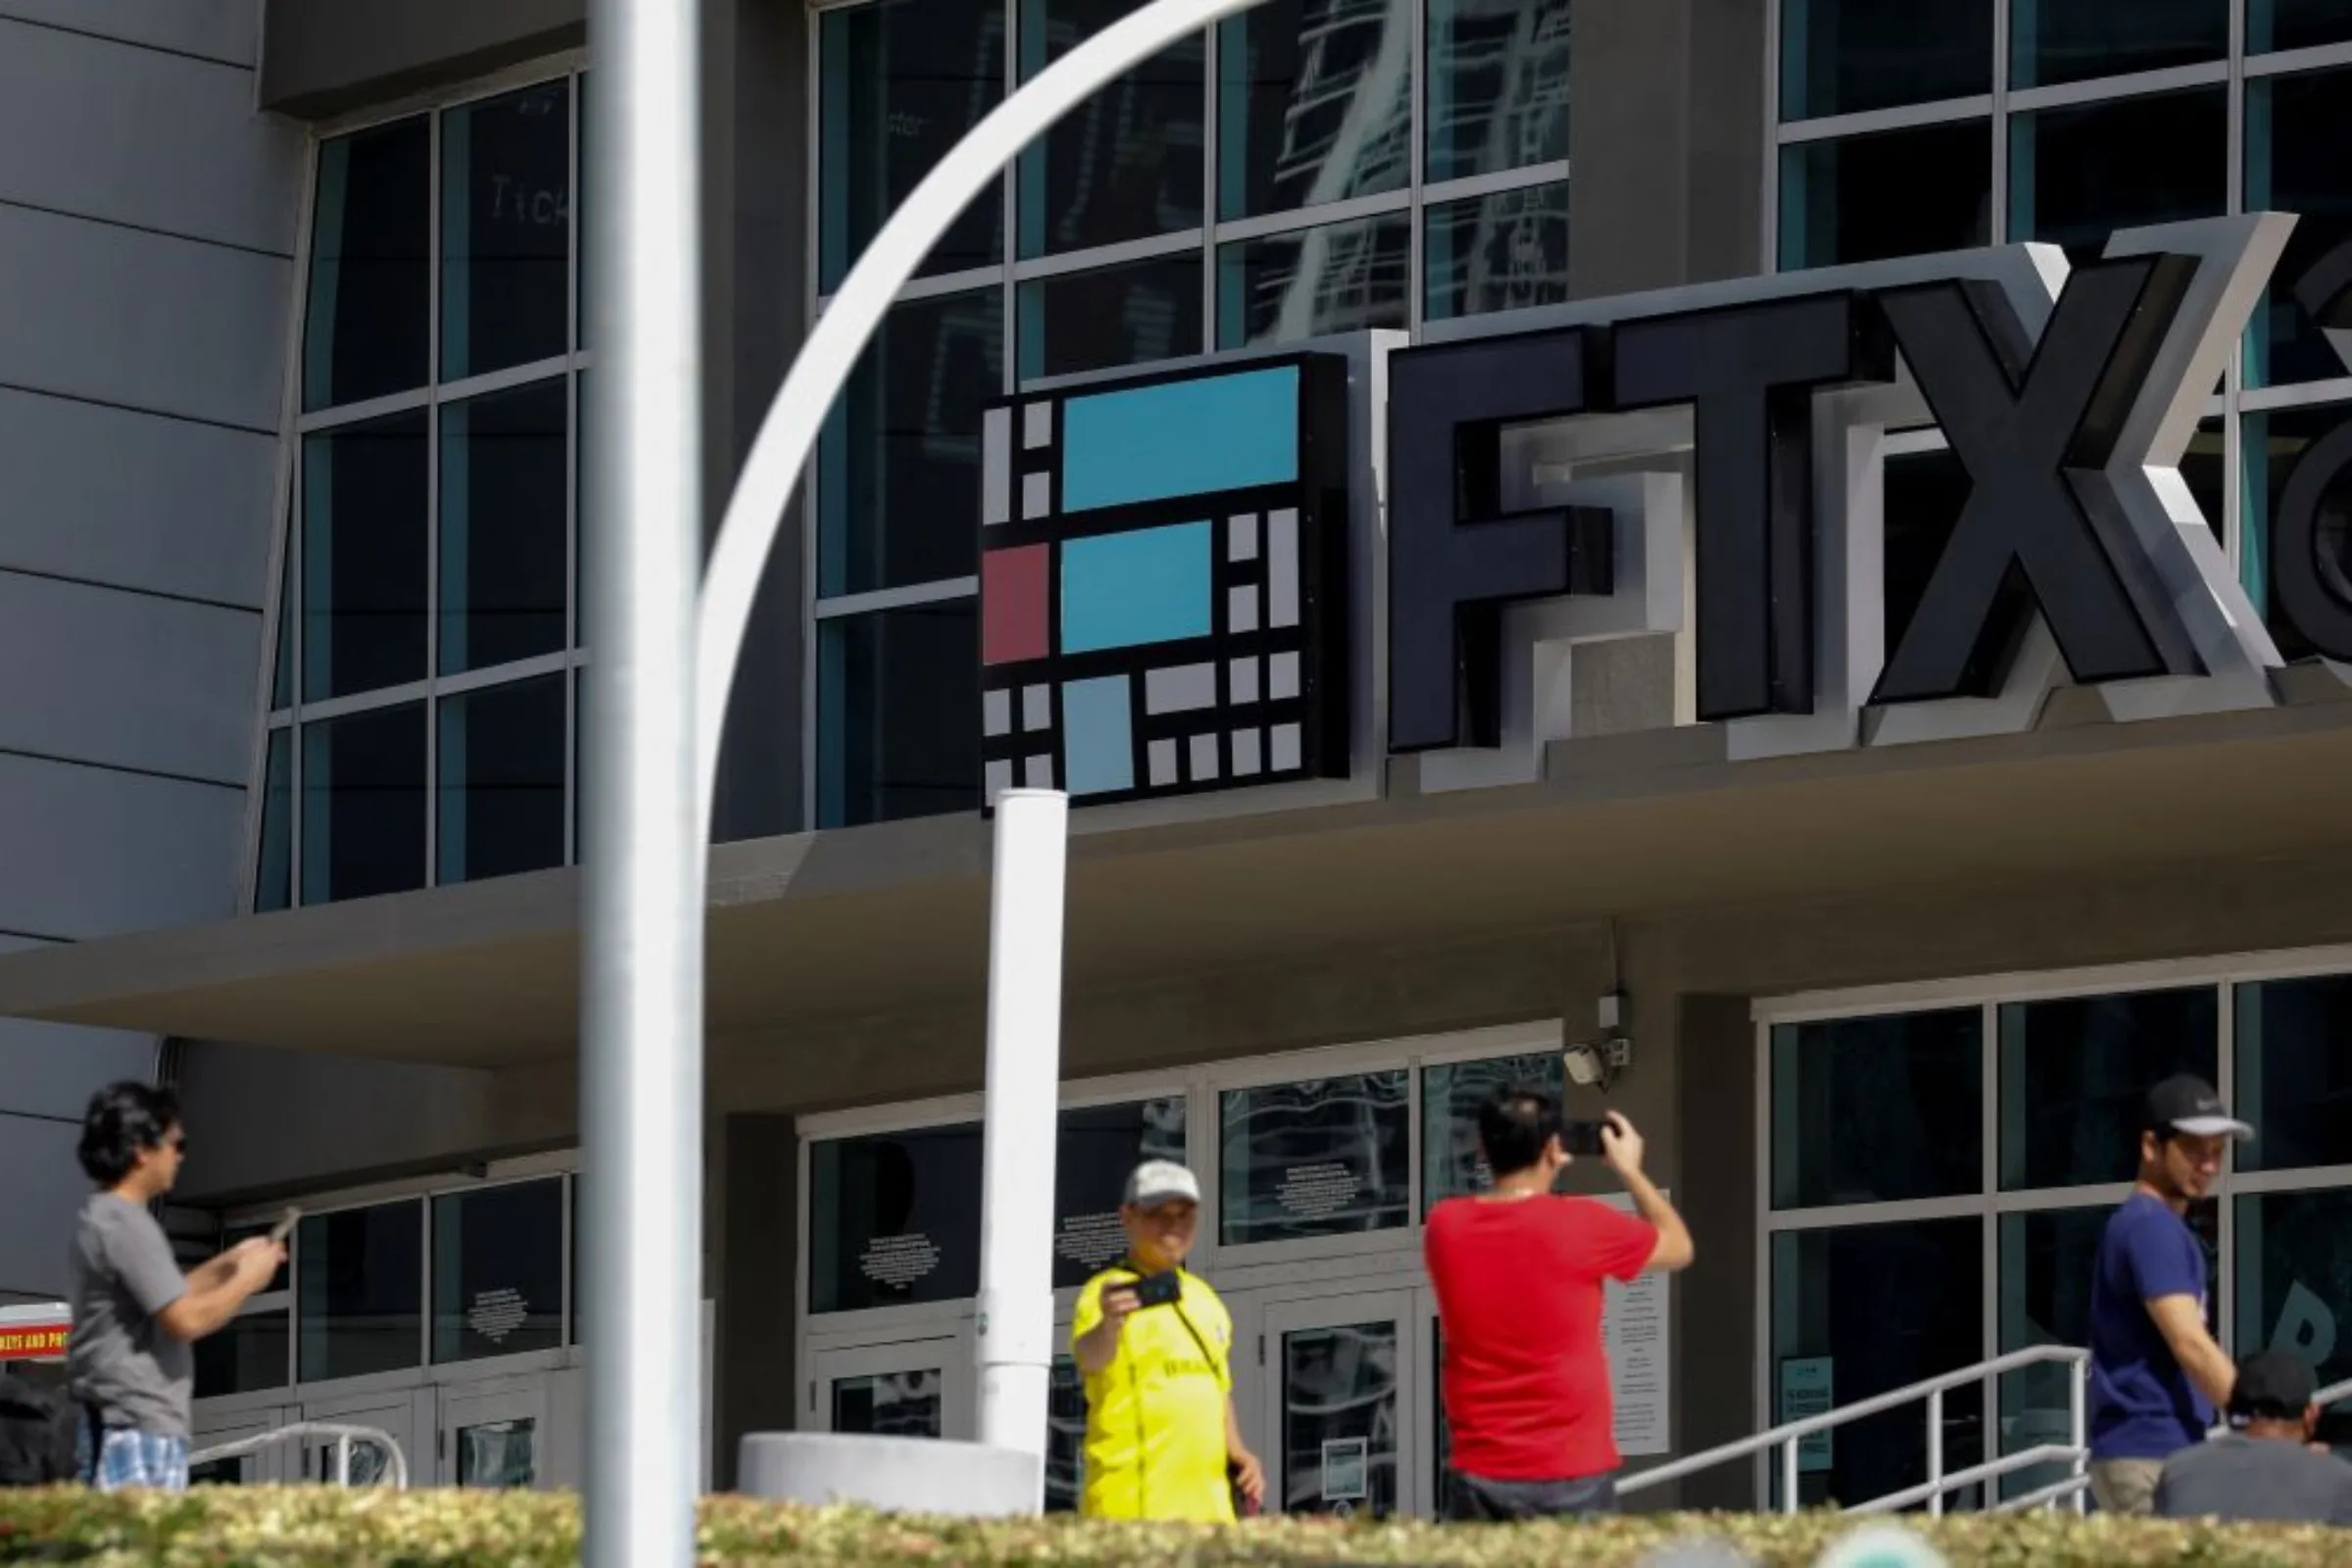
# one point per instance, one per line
(147, 228)
(327, 56)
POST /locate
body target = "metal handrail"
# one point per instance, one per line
(1790, 1434)
(396, 1467)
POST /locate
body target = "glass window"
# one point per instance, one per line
(900, 83)
(899, 463)
(506, 230)
(1342, 1440)
(364, 552)
(365, 330)
(1117, 316)
(498, 1454)
(2294, 1078)
(894, 1219)
(1066, 1435)
(2295, 1277)
(361, 1296)
(1922, 495)
(1876, 1109)
(1098, 1145)
(1842, 57)
(274, 882)
(1324, 1156)
(498, 1271)
(500, 807)
(1497, 86)
(2054, 42)
(1891, 193)
(2076, 1073)
(2272, 444)
(2275, 25)
(2077, 174)
(891, 1404)
(2295, 129)
(503, 569)
(250, 1353)
(363, 804)
(1342, 277)
(1315, 104)
(1504, 252)
(1452, 1162)
(894, 731)
(1860, 1311)
(1124, 165)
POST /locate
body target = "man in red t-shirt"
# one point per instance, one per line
(1518, 1272)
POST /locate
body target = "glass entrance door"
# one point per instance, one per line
(405, 1416)
(918, 1389)
(494, 1440)
(1340, 1412)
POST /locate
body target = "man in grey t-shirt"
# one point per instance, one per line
(135, 1314)
(2263, 1466)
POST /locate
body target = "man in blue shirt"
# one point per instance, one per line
(2156, 1373)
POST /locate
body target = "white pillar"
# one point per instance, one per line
(1019, 1124)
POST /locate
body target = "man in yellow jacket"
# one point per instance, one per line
(1156, 1348)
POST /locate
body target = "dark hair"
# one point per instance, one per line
(124, 1121)
(1514, 1125)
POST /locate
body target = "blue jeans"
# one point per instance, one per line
(1474, 1499)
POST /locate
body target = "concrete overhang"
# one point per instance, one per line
(881, 919)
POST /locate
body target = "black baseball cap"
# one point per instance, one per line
(2272, 1385)
(2188, 1103)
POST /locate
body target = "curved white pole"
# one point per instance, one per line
(780, 452)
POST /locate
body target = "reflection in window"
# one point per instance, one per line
(1315, 103)
(899, 463)
(2276, 24)
(1066, 1437)
(498, 1271)
(364, 331)
(1325, 1157)
(506, 230)
(1876, 1109)
(363, 804)
(1452, 1164)
(1341, 1441)
(891, 1404)
(894, 731)
(1125, 163)
(1095, 1149)
(502, 570)
(899, 82)
(360, 1295)
(249, 1353)
(1111, 318)
(1890, 193)
(1504, 252)
(1835, 1295)
(2296, 128)
(273, 883)
(2273, 443)
(1341, 278)
(2054, 42)
(2295, 1277)
(1498, 85)
(2075, 1074)
(2294, 1078)
(1842, 57)
(364, 555)
(502, 780)
(2077, 174)
(498, 1454)
(894, 1219)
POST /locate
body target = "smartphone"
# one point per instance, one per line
(1159, 1289)
(1582, 1138)
(284, 1226)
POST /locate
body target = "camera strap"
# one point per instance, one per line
(1218, 1365)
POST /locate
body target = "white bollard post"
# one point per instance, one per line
(1019, 1124)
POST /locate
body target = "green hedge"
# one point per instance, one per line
(318, 1527)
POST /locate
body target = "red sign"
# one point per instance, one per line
(33, 1342)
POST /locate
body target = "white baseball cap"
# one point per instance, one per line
(1157, 1181)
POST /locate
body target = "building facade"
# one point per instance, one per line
(1326, 453)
